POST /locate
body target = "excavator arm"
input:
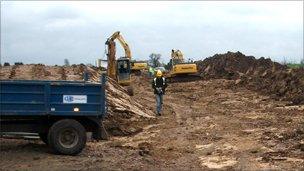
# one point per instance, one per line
(120, 73)
(122, 42)
(177, 55)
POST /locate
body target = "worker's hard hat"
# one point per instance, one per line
(159, 73)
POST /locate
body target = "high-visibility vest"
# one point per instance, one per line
(154, 80)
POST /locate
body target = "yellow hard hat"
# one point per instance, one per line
(159, 73)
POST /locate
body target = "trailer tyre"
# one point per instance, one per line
(67, 137)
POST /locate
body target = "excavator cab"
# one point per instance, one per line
(123, 71)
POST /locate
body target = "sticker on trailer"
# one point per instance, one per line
(74, 98)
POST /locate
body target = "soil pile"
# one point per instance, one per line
(234, 65)
(126, 115)
(280, 85)
(262, 75)
(123, 111)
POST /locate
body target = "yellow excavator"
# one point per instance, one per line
(179, 70)
(138, 66)
(119, 69)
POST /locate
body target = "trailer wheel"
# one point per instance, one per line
(67, 137)
(44, 137)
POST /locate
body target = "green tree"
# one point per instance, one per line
(66, 62)
(154, 59)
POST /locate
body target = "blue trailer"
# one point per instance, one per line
(61, 112)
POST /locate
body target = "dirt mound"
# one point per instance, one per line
(38, 71)
(280, 85)
(125, 114)
(233, 65)
(262, 75)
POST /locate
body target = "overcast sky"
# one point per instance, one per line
(48, 32)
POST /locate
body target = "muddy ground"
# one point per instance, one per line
(206, 125)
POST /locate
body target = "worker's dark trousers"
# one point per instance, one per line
(159, 102)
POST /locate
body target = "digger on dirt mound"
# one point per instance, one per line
(159, 85)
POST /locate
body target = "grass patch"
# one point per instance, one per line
(290, 65)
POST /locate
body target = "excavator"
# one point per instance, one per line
(179, 70)
(119, 69)
(138, 66)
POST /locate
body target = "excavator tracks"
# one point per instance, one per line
(183, 78)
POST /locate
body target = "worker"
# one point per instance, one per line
(159, 85)
(151, 72)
